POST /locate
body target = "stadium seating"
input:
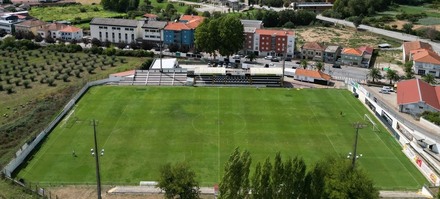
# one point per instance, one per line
(156, 78)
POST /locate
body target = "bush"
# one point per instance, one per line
(27, 84)
(82, 9)
(433, 117)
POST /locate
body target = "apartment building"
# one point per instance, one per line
(116, 30)
(274, 42)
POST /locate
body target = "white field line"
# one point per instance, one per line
(325, 132)
(360, 115)
(218, 131)
(67, 117)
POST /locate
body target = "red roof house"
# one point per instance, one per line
(416, 96)
(313, 76)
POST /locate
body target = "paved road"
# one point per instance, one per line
(388, 33)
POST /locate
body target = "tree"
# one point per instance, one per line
(49, 39)
(206, 14)
(430, 79)
(178, 180)
(256, 182)
(319, 66)
(304, 63)
(407, 28)
(409, 74)
(270, 18)
(375, 74)
(231, 35)
(251, 56)
(277, 176)
(191, 11)
(266, 183)
(336, 178)
(392, 76)
(235, 182)
(207, 36)
(96, 42)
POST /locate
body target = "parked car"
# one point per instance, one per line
(288, 59)
(268, 57)
(274, 59)
(236, 57)
(386, 90)
(336, 66)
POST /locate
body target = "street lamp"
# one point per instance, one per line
(98, 176)
(354, 156)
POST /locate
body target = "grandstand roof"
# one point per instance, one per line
(124, 74)
(266, 71)
(167, 63)
(210, 71)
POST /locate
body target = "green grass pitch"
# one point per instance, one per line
(142, 128)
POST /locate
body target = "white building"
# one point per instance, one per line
(426, 62)
(116, 30)
(152, 31)
(7, 23)
(70, 33)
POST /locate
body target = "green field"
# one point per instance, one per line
(142, 128)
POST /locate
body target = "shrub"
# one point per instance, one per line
(433, 117)
(82, 9)
(27, 84)
(51, 81)
(9, 89)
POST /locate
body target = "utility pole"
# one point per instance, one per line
(357, 126)
(160, 46)
(98, 176)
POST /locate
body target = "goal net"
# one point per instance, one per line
(373, 124)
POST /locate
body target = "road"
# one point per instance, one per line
(388, 33)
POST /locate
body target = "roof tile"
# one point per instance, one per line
(313, 73)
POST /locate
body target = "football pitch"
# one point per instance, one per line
(142, 128)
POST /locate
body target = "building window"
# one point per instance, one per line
(420, 72)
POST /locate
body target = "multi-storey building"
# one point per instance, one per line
(115, 30)
(248, 45)
(152, 31)
(274, 42)
(182, 32)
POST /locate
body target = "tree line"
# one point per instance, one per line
(277, 179)
(348, 8)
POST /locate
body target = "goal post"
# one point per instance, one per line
(373, 124)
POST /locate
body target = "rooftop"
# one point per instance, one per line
(31, 23)
(114, 22)
(367, 49)
(155, 24)
(188, 18)
(313, 46)
(150, 15)
(414, 45)
(53, 26)
(332, 48)
(275, 32)
(427, 56)
(70, 29)
(352, 51)
(313, 73)
(249, 29)
(176, 26)
(416, 90)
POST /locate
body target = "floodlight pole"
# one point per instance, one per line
(358, 126)
(160, 47)
(98, 177)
